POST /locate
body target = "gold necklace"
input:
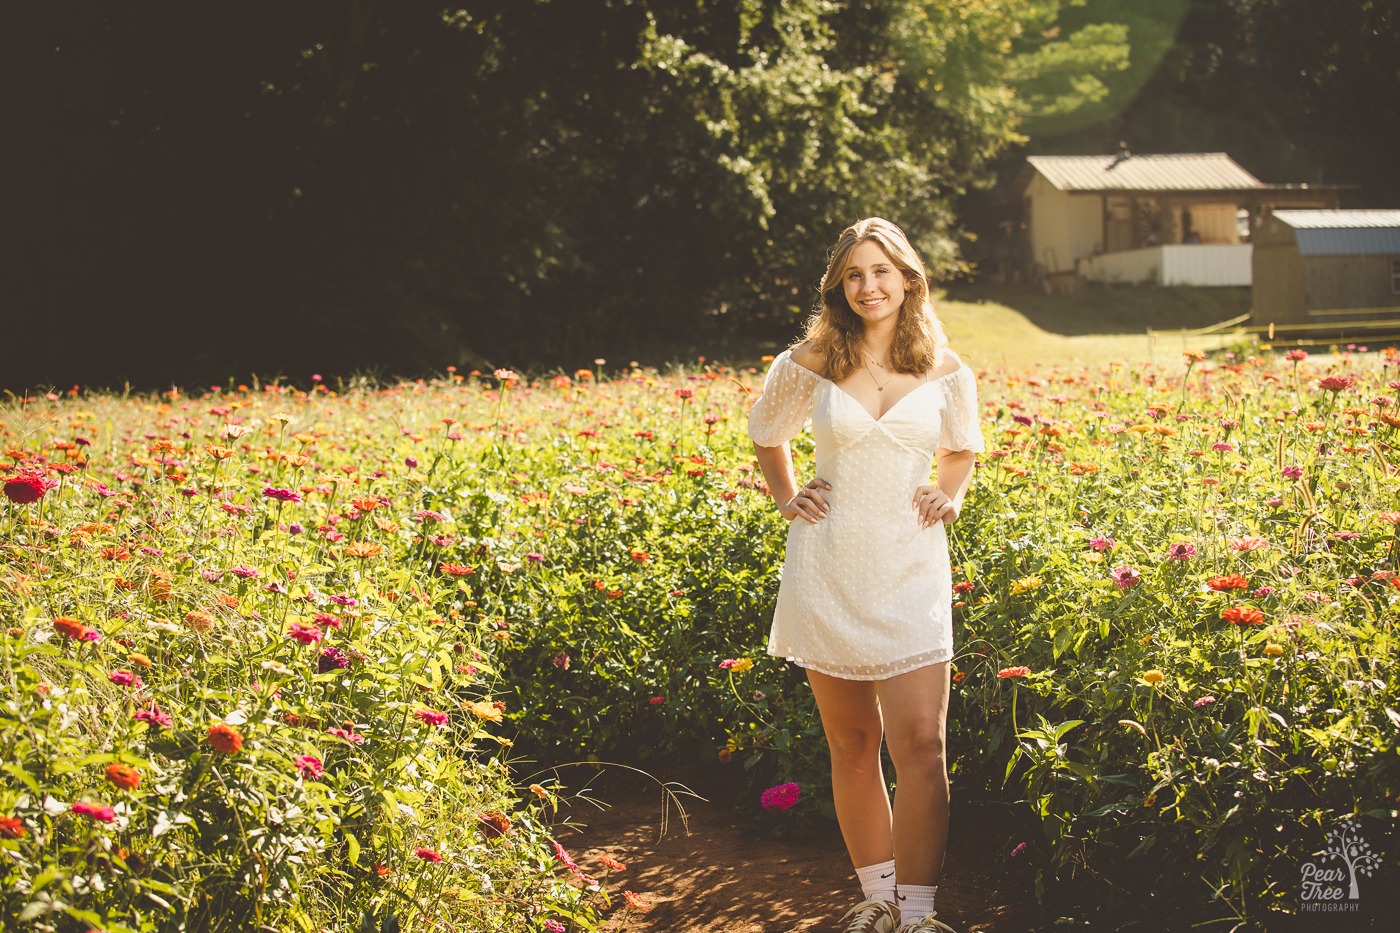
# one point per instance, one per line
(878, 387)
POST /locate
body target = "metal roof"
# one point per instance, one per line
(1191, 171)
(1344, 233)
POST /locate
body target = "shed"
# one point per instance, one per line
(1311, 267)
(1170, 219)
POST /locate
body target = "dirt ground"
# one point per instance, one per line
(716, 871)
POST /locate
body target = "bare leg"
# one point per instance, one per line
(915, 707)
(850, 714)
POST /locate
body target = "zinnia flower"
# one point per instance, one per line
(310, 767)
(12, 828)
(431, 717)
(125, 679)
(306, 634)
(1009, 672)
(225, 738)
(1125, 577)
(123, 776)
(1025, 584)
(99, 812)
(493, 824)
(1204, 701)
(1152, 677)
(70, 628)
(427, 855)
(1233, 581)
(1243, 615)
(280, 494)
(738, 666)
(332, 659)
(635, 901)
(1181, 551)
(1336, 383)
(781, 797)
(25, 488)
(154, 716)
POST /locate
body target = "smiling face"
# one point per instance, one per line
(873, 284)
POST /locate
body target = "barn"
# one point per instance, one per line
(1316, 267)
(1168, 219)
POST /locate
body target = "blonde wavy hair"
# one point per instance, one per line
(835, 331)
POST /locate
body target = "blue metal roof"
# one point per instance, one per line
(1344, 233)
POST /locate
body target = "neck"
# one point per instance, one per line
(878, 343)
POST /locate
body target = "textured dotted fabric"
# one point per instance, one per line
(866, 593)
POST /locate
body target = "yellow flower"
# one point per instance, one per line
(1025, 584)
(1152, 677)
(741, 665)
(1273, 650)
(485, 711)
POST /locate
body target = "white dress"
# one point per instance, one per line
(866, 593)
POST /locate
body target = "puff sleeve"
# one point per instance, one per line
(786, 404)
(959, 429)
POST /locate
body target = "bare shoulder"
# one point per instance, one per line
(808, 358)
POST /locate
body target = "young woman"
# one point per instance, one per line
(865, 602)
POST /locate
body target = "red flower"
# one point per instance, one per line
(70, 628)
(493, 824)
(100, 812)
(1008, 672)
(11, 828)
(1336, 383)
(427, 855)
(25, 488)
(306, 634)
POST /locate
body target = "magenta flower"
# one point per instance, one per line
(332, 659)
(154, 716)
(1102, 543)
(306, 634)
(782, 797)
(427, 855)
(1292, 472)
(349, 735)
(431, 717)
(1125, 577)
(280, 494)
(310, 767)
(243, 570)
(125, 679)
(1222, 447)
(99, 812)
(656, 701)
(1018, 850)
(1181, 551)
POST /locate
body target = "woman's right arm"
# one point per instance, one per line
(807, 502)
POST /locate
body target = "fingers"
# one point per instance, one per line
(810, 492)
(809, 504)
(933, 505)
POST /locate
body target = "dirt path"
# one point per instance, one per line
(716, 872)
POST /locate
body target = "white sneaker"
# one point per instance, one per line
(877, 916)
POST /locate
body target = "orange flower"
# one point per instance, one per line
(1232, 581)
(217, 452)
(197, 620)
(69, 628)
(456, 570)
(225, 738)
(124, 776)
(635, 902)
(363, 549)
(1243, 615)
(1020, 671)
(640, 556)
(365, 504)
(611, 863)
(11, 828)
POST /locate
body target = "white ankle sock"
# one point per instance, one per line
(877, 881)
(915, 901)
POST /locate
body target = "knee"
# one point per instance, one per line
(855, 747)
(919, 754)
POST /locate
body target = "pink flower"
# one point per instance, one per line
(280, 494)
(563, 856)
(431, 717)
(1292, 472)
(561, 661)
(656, 701)
(1018, 850)
(1336, 383)
(154, 716)
(125, 679)
(781, 797)
(243, 570)
(1203, 701)
(1222, 447)
(306, 634)
(1181, 551)
(349, 735)
(1248, 543)
(685, 393)
(427, 855)
(1102, 543)
(1125, 577)
(553, 926)
(101, 813)
(310, 766)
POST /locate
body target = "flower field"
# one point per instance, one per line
(278, 658)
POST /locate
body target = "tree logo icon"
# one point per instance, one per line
(1329, 888)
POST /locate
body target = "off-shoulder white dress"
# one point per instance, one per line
(866, 593)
